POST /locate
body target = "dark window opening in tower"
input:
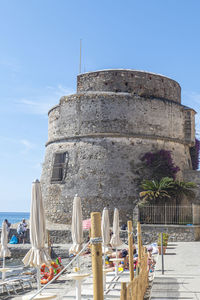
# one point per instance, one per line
(59, 167)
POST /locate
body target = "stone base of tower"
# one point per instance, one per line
(103, 172)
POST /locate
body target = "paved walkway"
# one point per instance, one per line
(181, 279)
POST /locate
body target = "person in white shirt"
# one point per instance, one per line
(22, 230)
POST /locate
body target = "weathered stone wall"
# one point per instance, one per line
(130, 81)
(177, 233)
(194, 176)
(103, 171)
(13, 231)
(189, 126)
(116, 114)
(105, 132)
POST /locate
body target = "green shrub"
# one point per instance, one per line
(165, 239)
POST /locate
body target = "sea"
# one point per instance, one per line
(13, 217)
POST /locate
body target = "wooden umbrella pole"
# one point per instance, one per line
(96, 242)
(130, 249)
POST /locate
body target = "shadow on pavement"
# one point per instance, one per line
(172, 298)
(168, 288)
(169, 247)
(165, 271)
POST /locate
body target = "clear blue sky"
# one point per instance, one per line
(39, 61)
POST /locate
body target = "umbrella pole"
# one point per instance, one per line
(78, 264)
(104, 256)
(116, 265)
(38, 279)
(104, 266)
(78, 289)
(4, 265)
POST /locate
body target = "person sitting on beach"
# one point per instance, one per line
(7, 226)
(123, 254)
(125, 257)
(109, 264)
(21, 230)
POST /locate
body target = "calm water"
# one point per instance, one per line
(13, 217)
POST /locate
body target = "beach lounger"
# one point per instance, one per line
(13, 284)
(4, 287)
(27, 280)
(23, 280)
(10, 284)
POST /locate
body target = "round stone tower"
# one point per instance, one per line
(97, 137)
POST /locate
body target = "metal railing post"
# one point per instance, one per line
(162, 253)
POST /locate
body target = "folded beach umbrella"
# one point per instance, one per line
(4, 252)
(115, 240)
(77, 226)
(105, 229)
(38, 254)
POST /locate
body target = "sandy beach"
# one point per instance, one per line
(61, 285)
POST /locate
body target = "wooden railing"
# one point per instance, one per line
(136, 289)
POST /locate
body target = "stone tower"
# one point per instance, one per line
(97, 136)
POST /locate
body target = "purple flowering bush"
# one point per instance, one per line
(160, 164)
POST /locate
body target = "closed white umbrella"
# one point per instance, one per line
(115, 240)
(77, 226)
(105, 229)
(4, 252)
(38, 254)
(77, 236)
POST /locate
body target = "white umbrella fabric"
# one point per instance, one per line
(105, 229)
(77, 236)
(38, 254)
(77, 226)
(115, 240)
(4, 252)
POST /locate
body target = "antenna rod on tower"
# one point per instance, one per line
(80, 55)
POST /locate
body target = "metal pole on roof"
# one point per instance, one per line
(162, 254)
(80, 56)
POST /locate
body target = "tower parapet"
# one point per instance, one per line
(130, 81)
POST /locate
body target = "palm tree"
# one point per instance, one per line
(178, 191)
(154, 190)
(181, 189)
(157, 192)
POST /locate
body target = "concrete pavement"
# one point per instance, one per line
(181, 279)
